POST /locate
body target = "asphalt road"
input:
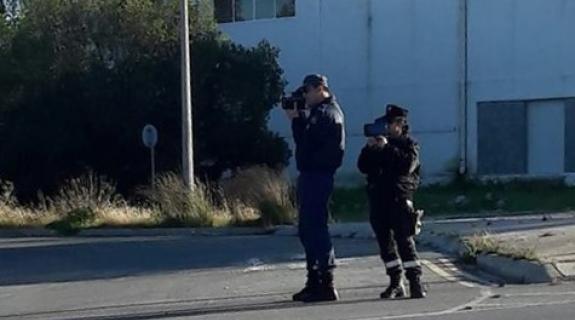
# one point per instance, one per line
(249, 277)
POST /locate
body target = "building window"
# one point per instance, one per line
(224, 11)
(285, 8)
(265, 9)
(514, 137)
(245, 10)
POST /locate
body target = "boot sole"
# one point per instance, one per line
(322, 299)
(397, 296)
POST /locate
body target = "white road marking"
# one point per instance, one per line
(495, 307)
(256, 264)
(549, 294)
(485, 294)
(467, 275)
(444, 274)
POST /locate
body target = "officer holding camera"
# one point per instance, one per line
(391, 162)
(318, 130)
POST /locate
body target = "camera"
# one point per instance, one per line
(294, 102)
(375, 129)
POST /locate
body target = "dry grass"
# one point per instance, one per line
(127, 216)
(242, 214)
(486, 244)
(14, 215)
(264, 189)
(88, 191)
(253, 196)
(177, 206)
(20, 217)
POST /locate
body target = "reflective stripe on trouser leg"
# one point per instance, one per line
(393, 267)
(411, 264)
(393, 264)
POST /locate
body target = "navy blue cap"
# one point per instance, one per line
(315, 80)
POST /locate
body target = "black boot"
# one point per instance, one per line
(416, 289)
(326, 290)
(312, 284)
(395, 289)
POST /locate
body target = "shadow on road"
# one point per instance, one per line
(48, 260)
(198, 307)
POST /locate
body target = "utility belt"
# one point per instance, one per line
(410, 218)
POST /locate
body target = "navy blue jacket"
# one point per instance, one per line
(320, 138)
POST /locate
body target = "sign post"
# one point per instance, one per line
(150, 139)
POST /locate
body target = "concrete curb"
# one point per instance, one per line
(28, 232)
(359, 230)
(154, 232)
(509, 269)
(518, 271)
(451, 245)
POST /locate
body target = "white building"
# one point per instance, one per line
(490, 84)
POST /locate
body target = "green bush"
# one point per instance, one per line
(74, 221)
(80, 79)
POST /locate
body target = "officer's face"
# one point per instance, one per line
(396, 127)
(313, 95)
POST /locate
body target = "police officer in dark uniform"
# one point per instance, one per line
(391, 163)
(320, 141)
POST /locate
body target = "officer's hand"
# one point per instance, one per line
(371, 142)
(292, 114)
(381, 141)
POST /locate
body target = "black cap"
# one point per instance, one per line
(393, 112)
(315, 80)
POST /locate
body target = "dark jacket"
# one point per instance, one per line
(394, 169)
(320, 138)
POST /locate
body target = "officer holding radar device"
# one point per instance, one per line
(390, 160)
(318, 131)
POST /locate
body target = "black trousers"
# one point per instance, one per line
(390, 221)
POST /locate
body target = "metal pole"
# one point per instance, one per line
(187, 139)
(464, 85)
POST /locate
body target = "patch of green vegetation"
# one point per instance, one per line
(464, 198)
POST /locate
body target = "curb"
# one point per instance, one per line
(359, 230)
(20, 233)
(155, 232)
(509, 269)
(446, 244)
(518, 271)
(345, 231)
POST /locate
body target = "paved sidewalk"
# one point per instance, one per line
(549, 238)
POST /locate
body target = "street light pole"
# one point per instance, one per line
(187, 135)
